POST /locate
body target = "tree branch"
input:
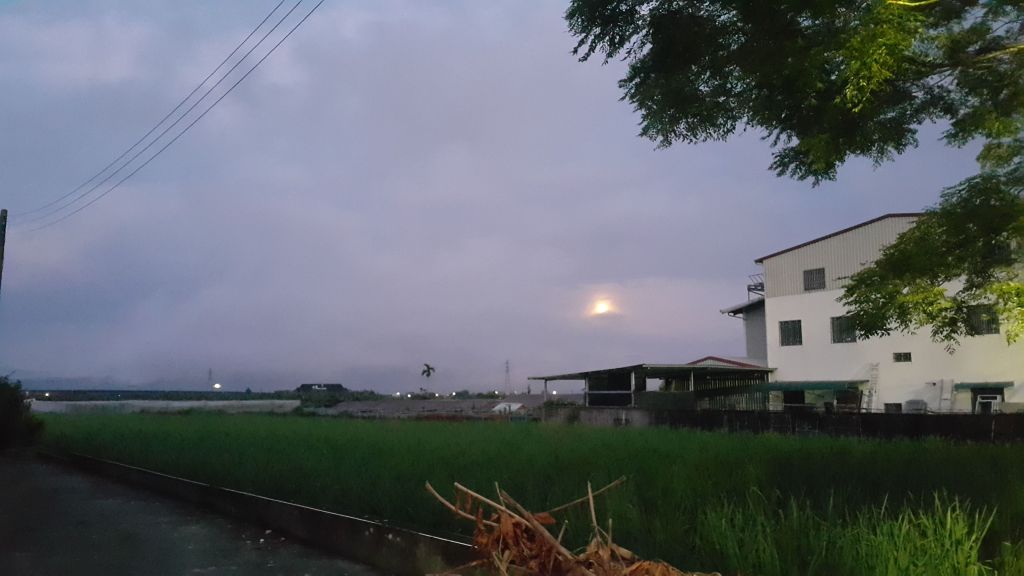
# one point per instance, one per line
(1001, 52)
(912, 3)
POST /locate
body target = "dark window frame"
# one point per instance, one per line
(902, 357)
(814, 280)
(982, 320)
(846, 333)
(791, 333)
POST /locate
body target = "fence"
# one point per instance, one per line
(966, 427)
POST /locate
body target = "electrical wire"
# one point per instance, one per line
(162, 120)
(169, 127)
(186, 129)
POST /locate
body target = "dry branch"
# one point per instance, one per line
(515, 542)
(585, 498)
(454, 508)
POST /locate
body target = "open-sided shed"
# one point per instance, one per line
(710, 382)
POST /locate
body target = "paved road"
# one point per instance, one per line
(55, 521)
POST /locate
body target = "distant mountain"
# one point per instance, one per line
(63, 383)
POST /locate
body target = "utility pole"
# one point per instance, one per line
(3, 240)
(508, 380)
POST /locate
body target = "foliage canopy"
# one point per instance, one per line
(18, 427)
(827, 80)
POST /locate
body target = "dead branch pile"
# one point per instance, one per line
(517, 542)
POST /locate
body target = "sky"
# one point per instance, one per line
(401, 182)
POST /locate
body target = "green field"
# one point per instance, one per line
(739, 504)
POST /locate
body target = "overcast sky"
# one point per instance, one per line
(401, 182)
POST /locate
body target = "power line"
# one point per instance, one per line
(168, 128)
(186, 129)
(158, 124)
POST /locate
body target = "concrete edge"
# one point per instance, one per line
(390, 549)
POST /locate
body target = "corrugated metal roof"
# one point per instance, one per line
(837, 233)
(724, 362)
(583, 375)
(662, 370)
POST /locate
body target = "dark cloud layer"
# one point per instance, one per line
(402, 182)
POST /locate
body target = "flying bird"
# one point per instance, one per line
(427, 370)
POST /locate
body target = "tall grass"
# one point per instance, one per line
(756, 538)
(735, 503)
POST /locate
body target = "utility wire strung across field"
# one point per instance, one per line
(181, 133)
(151, 130)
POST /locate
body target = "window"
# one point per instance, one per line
(814, 279)
(901, 357)
(791, 333)
(982, 319)
(842, 330)
(986, 400)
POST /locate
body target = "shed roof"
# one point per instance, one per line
(837, 233)
(506, 407)
(726, 362)
(666, 370)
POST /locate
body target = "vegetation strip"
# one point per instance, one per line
(737, 503)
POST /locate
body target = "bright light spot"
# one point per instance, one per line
(602, 307)
(408, 395)
(435, 394)
(47, 394)
(555, 392)
(216, 386)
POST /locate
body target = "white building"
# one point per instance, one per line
(794, 323)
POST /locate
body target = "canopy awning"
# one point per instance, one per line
(810, 386)
(743, 307)
(973, 385)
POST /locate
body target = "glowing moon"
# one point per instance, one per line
(602, 307)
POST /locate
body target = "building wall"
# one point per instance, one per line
(979, 359)
(754, 328)
(840, 255)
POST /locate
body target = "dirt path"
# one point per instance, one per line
(54, 521)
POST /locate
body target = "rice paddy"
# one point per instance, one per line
(739, 504)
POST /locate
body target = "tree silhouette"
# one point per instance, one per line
(826, 81)
(427, 370)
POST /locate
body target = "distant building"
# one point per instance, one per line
(802, 351)
(508, 408)
(794, 322)
(711, 382)
(320, 388)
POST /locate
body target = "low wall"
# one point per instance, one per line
(594, 416)
(132, 406)
(965, 427)
(391, 549)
